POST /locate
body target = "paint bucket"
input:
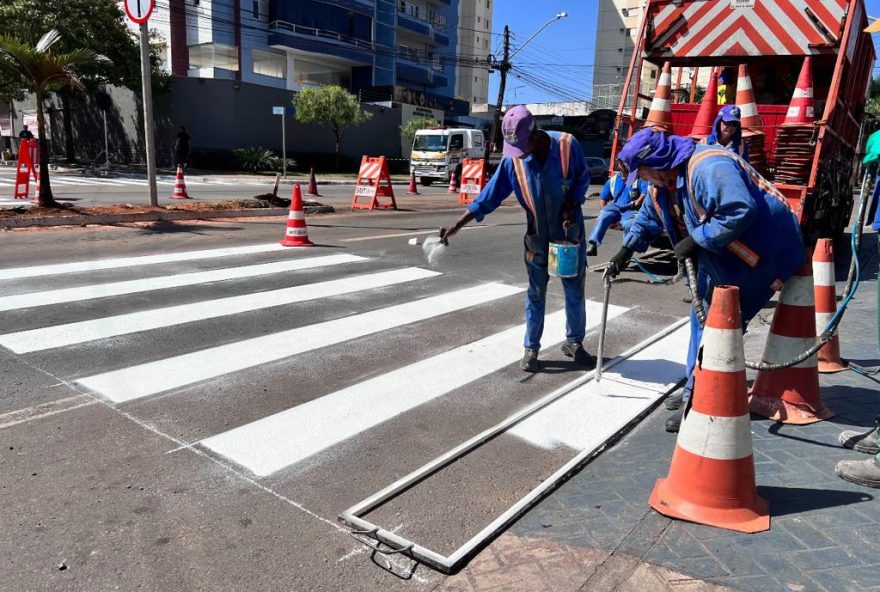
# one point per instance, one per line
(563, 259)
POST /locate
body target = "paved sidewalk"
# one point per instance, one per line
(597, 531)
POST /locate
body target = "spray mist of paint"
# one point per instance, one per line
(433, 248)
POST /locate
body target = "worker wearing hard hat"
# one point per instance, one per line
(718, 211)
(547, 173)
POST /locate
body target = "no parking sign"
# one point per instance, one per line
(139, 10)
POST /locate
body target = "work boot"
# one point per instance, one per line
(529, 362)
(673, 402)
(860, 472)
(868, 443)
(575, 350)
(592, 249)
(673, 424)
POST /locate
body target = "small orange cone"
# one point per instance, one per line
(660, 115)
(297, 234)
(708, 109)
(800, 110)
(413, 189)
(313, 184)
(712, 475)
(453, 184)
(745, 100)
(826, 305)
(179, 185)
(791, 395)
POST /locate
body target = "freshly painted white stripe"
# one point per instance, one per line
(69, 181)
(130, 182)
(798, 291)
(280, 440)
(593, 412)
(418, 233)
(823, 273)
(718, 438)
(723, 350)
(67, 295)
(15, 273)
(156, 377)
(780, 349)
(60, 335)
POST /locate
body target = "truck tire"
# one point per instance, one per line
(426, 181)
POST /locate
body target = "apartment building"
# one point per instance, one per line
(474, 46)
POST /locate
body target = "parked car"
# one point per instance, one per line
(598, 168)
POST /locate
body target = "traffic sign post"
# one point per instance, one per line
(139, 12)
(282, 111)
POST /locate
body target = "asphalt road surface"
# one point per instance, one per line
(188, 406)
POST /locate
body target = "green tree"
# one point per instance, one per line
(330, 105)
(409, 129)
(98, 25)
(43, 70)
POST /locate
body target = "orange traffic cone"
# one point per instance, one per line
(791, 395)
(297, 234)
(660, 115)
(179, 185)
(826, 305)
(745, 100)
(313, 184)
(800, 110)
(453, 184)
(413, 189)
(708, 109)
(712, 476)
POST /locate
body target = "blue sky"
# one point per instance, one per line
(558, 63)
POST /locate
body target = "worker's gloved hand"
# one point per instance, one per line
(685, 248)
(619, 261)
(446, 232)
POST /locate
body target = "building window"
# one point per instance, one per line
(485, 44)
(653, 74)
(213, 55)
(260, 9)
(268, 63)
(479, 19)
(409, 9)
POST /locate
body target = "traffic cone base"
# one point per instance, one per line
(296, 234)
(711, 478)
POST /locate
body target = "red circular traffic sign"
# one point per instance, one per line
(139, 10)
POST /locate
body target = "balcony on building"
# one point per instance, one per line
(426, 22)
(287, 35)
(419, 68)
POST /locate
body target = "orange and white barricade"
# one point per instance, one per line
(26, 167)
(373, 183)
(473, 179)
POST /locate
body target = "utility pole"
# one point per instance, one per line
(148, 113)
(503, 67)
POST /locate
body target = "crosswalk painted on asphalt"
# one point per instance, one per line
(266, 445)
(7, 180)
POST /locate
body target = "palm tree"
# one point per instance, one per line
(42, 71)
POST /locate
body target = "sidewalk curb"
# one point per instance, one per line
(170, 216)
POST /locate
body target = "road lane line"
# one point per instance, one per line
(14, 273)
(280, 440)
(400, 234)
(155, 377)
(67, 295)
(23, 342)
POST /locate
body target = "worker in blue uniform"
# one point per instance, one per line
(547, 173)
(727, 132)
(721, 213)
(620, 203)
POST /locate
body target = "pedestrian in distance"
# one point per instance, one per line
(181, 147)
(25, 134)
(547, 173)
(727, 132)
(719, 212)
(620, 204)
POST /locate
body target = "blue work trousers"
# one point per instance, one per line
(607, 217)
(752, 297)
(536, 296)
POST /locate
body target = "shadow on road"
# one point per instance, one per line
(795, 500)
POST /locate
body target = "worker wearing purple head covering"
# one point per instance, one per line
(718, 211)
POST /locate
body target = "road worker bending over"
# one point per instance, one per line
(738, 229)
(547, 173)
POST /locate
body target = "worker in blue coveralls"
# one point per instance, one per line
(727, 132)
(547, 173)
(718, 211)
(620, 203)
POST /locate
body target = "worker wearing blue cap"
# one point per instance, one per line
(727, 132)
(718, 211)
(620, 203)
(547, 173)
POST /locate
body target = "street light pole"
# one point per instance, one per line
(503, 68)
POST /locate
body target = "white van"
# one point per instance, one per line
(437, 152)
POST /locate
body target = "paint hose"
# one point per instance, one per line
(852, 285)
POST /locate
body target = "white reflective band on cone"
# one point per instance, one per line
(296, 232)
(660, 105)
(797, 291)
(823, 273)
(722, 350)
(803, 93)
(718, 438)
(793, 111)
(748, 110)
(822, 320)
(294, 215)
(743, 84)
(781, 349)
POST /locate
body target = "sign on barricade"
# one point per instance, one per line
(473, 179)
(373, 182)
